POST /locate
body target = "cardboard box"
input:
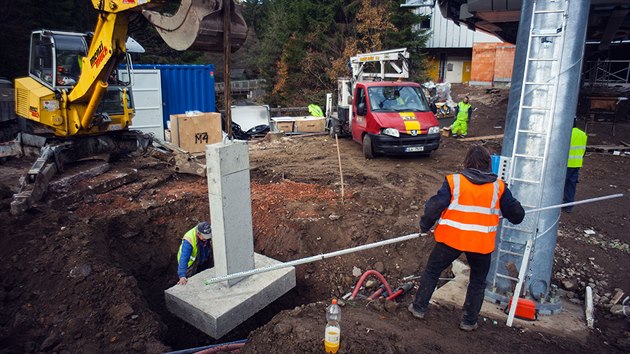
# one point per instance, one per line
(285, 124)
(193, 133)
(310, 124)
(446, 132)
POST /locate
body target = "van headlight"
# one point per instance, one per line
(391, 132)
(434, 130)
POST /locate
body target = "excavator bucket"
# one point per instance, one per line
(198, 25)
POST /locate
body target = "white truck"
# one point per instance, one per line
(386, 117)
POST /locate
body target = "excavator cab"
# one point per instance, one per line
(57, 62)
(56, 57)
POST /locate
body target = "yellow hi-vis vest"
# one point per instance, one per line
(462, 114)
(578, 148)
(191, 237)
(315, 110)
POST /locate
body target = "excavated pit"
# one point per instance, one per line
(108, 252)
(141, 244)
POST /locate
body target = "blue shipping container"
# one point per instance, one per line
(185, 88)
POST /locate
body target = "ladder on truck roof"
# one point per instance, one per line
(396, 59)
(532, 139)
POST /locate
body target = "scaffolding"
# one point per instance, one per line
(605, 73)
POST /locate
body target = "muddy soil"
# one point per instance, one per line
(85, 270)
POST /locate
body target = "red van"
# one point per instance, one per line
(393, 118)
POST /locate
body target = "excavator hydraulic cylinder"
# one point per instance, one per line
(99, 91)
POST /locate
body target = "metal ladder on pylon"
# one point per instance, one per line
(533, 130)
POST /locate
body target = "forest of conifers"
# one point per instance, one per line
(299, 46)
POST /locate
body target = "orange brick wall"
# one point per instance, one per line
(503, 63)
(482, 66)
(491, 61)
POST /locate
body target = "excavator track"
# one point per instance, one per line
(55, 153)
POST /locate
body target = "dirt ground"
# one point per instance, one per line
(85, 270)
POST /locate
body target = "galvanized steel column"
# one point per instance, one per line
(538, 277)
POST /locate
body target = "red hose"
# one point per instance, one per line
(222, 348)
(362, 279)
(376, 294)
(394, 295)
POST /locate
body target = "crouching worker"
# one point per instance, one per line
(195, 252)
(468, 207)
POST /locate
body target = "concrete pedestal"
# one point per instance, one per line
(230, 208)
(216, 309)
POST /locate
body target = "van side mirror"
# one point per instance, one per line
(433, 108)
(361, 109)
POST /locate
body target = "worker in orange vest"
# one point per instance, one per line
(467, 210)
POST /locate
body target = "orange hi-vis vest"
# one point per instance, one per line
(469, 224)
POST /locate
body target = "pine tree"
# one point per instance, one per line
(408, 35)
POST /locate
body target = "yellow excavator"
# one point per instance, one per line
(76, 98)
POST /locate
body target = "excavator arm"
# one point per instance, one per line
(197, 25)
(73, 89)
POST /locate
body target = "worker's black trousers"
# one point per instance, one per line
(441, 257)
(570, 183)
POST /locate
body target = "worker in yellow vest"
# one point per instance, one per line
(576, 159)
(467, 210)
(463, 113)
(315, 110)
(195, 252)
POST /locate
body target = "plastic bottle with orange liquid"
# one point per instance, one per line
(333, 331)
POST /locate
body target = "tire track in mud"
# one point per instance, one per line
(424, 179)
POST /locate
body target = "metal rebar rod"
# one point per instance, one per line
(575, 203)
(370, 245)
(312, 259)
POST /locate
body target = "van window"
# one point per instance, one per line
(397, 99)
(360, 96)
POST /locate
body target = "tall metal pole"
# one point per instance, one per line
(537, 284)
(227, 50)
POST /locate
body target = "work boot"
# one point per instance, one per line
(417, 314)
(467, 327)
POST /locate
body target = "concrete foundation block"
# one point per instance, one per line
(230, 208)
(216, 309)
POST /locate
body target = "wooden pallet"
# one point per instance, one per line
(607, 148)
(486, 137)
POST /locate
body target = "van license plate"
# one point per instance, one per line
(414, 149)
